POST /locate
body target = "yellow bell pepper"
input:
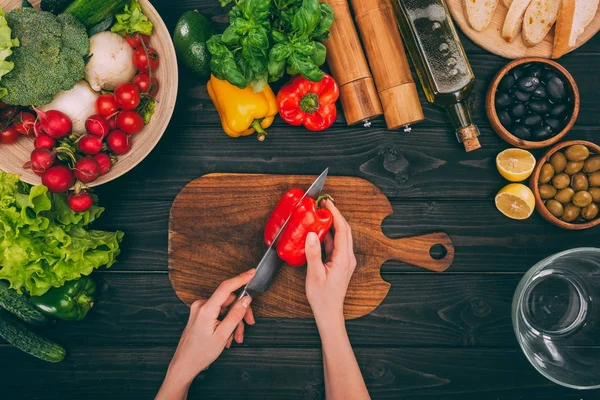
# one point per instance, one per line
(242, 111)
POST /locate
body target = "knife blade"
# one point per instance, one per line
(269, 265)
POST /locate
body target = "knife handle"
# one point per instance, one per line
(419, 251)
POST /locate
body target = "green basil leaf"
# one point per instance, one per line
(320, 54)
(257, 38)
(321, 32)
(255, 10)
(278, 37)
(305, 66)
(276, 70)
(307, 18)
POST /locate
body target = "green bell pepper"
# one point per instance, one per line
(70, 302)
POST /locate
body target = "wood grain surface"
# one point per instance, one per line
(216, 232)
(491, 38)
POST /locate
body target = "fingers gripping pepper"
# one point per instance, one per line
(70, 302)
(242, 111)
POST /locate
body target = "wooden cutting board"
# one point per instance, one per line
(216, 232)
(491, 38)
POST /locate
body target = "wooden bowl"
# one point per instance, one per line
(534, 184)
(12, 157)
(490, 107)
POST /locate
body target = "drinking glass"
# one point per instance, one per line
(556, 317)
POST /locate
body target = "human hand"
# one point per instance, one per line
(327, 283)
(205, 336)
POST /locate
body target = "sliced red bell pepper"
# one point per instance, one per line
(312, 104)
(306, 217)
(280, 214)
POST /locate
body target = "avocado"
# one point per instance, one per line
(191, 33)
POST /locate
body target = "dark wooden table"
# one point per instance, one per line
(435, 336)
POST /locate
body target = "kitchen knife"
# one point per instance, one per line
(269, 265)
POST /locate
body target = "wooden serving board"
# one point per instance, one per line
(216, 232)
(491, 38)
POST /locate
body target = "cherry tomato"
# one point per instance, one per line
(25, 122)
(127, 96)
(9, 136)
(106, 105)
(130, 122)
(143, 62)
(142, 81)
(135, 39)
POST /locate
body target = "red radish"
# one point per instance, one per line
(135, 39)
(112, 123)
(8, 113)
(90, 144)
(55, 123)
(145, 84)
(97, 125)
(86, 169)
(58, 179)
(9, 136)
(25, 122)
(106, 105)
(44, 142)
(3, 105)
(37, 128)
(104, 162)
(145, 59)
(127, 96)
(118, 142)
(130, 122)
(80, 202)
(41, 160)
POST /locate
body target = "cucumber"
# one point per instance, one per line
(21, 306)
(91, 12)
(19, 335)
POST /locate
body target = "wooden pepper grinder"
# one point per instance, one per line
(385, 52)
(350, 69)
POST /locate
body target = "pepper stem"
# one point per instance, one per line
(324, 197)
(262, 134)
(310, 103)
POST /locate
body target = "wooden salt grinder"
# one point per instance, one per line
(350, 69)
(387, 58)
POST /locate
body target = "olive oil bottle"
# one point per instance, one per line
(440, 61)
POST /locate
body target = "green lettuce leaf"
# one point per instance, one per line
(6, 43)
(132, 20)
(43, 243)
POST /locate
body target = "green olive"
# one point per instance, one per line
(547, 191)
(574, 167)
(558, 161)
(577, 152)
(592, 164)
(590, 212)
(564, 196)
(546, 173)
(571, 213)
(555, 208)
(595, 192)
(561, 181)
(595, 179)
(580, 182)
(582, 199)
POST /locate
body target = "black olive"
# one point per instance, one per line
(529, 83)
(504, 119)
(517, 73)
(558, 110)
(506, 83)
(556, 88)
(518, 110)
(521, 132)
(503, 100)
(540, 92)
(539, 107)
(542, 133)
(532, 120)
(534, 70)
(554, 124)
(549, 74)
(521, 96)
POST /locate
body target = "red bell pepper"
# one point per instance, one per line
(306, 217)
(312, 104)
(280, 214)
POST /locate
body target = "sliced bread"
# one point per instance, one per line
(573, 17)
(539, 18)
(479, 13)
(507, 3)
(514, 19)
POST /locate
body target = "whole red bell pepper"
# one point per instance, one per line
(312, 104)
(306, 217)
(280, 214)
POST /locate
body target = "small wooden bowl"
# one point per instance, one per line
(12, 157)
(534, 184)
(490, 106)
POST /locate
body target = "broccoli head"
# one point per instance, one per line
(51, 57)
